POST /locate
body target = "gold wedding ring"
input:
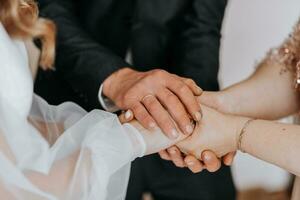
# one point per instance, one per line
(147, 96)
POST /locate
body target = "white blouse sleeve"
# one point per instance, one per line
(62, 152)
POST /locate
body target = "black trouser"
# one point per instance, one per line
(167, 182)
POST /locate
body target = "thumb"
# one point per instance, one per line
(126, 117)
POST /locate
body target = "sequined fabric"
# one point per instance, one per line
(288, 54)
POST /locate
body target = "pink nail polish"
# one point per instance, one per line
(152, 125)
(206, 157)
(198, 116)
(127, 114)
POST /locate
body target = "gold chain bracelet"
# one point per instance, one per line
(242, 133)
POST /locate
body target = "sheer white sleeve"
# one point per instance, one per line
(62, 152)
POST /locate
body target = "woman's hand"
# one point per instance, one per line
(155, 141)
(216, 132)
(219, 101)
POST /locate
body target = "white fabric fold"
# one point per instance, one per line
(65, 153)
(57, 152)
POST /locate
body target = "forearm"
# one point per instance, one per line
(155, 140)
(64, 171)
(74, 164)
(273, 142)
(268, 94)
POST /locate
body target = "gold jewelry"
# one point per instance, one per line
(288, 54)
(297, 79)
(147, 96)
(242, 133)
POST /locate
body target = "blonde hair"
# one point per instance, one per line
(20, 19)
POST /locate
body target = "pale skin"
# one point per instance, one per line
(162, 100)
(206, 136)
(63, 169)
(157, 99)
(274, 142)
(210, 161)
(268, 94)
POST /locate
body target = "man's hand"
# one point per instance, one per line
(156, 97)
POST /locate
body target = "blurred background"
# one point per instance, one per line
(250, 28)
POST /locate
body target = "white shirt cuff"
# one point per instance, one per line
(105, 102)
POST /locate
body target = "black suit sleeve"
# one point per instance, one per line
(80, 60)
(196, 50)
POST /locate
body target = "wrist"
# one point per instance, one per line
(136, 139)
(110, 83)
(229, 102)
(241, 125)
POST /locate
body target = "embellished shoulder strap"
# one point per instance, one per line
(288, 54)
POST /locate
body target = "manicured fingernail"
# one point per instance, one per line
(172, 151)
(174, 134)
(198, 116)
(190, 163)
(127, 114)
(206, 157)
(189, 129)
(152, 125)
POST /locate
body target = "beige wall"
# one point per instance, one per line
(251, 27)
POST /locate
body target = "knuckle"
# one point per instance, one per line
(179, 114)
(159, 73)
(166, 124)
(213, 169)
(179, 164)
(170, 97)
(144, 117)
(153, 108)
(182, 118)
(139, 112)
(128, 98)
(190, 81)
(150, 100)
(162, 154)
(165, 157)
(195, 171)
(136, 108)
(181, 88)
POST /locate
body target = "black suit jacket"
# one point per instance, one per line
(180, 36)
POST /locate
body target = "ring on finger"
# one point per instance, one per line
(147, 96)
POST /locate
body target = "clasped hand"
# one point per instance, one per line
(214, 138)
(160, 99)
